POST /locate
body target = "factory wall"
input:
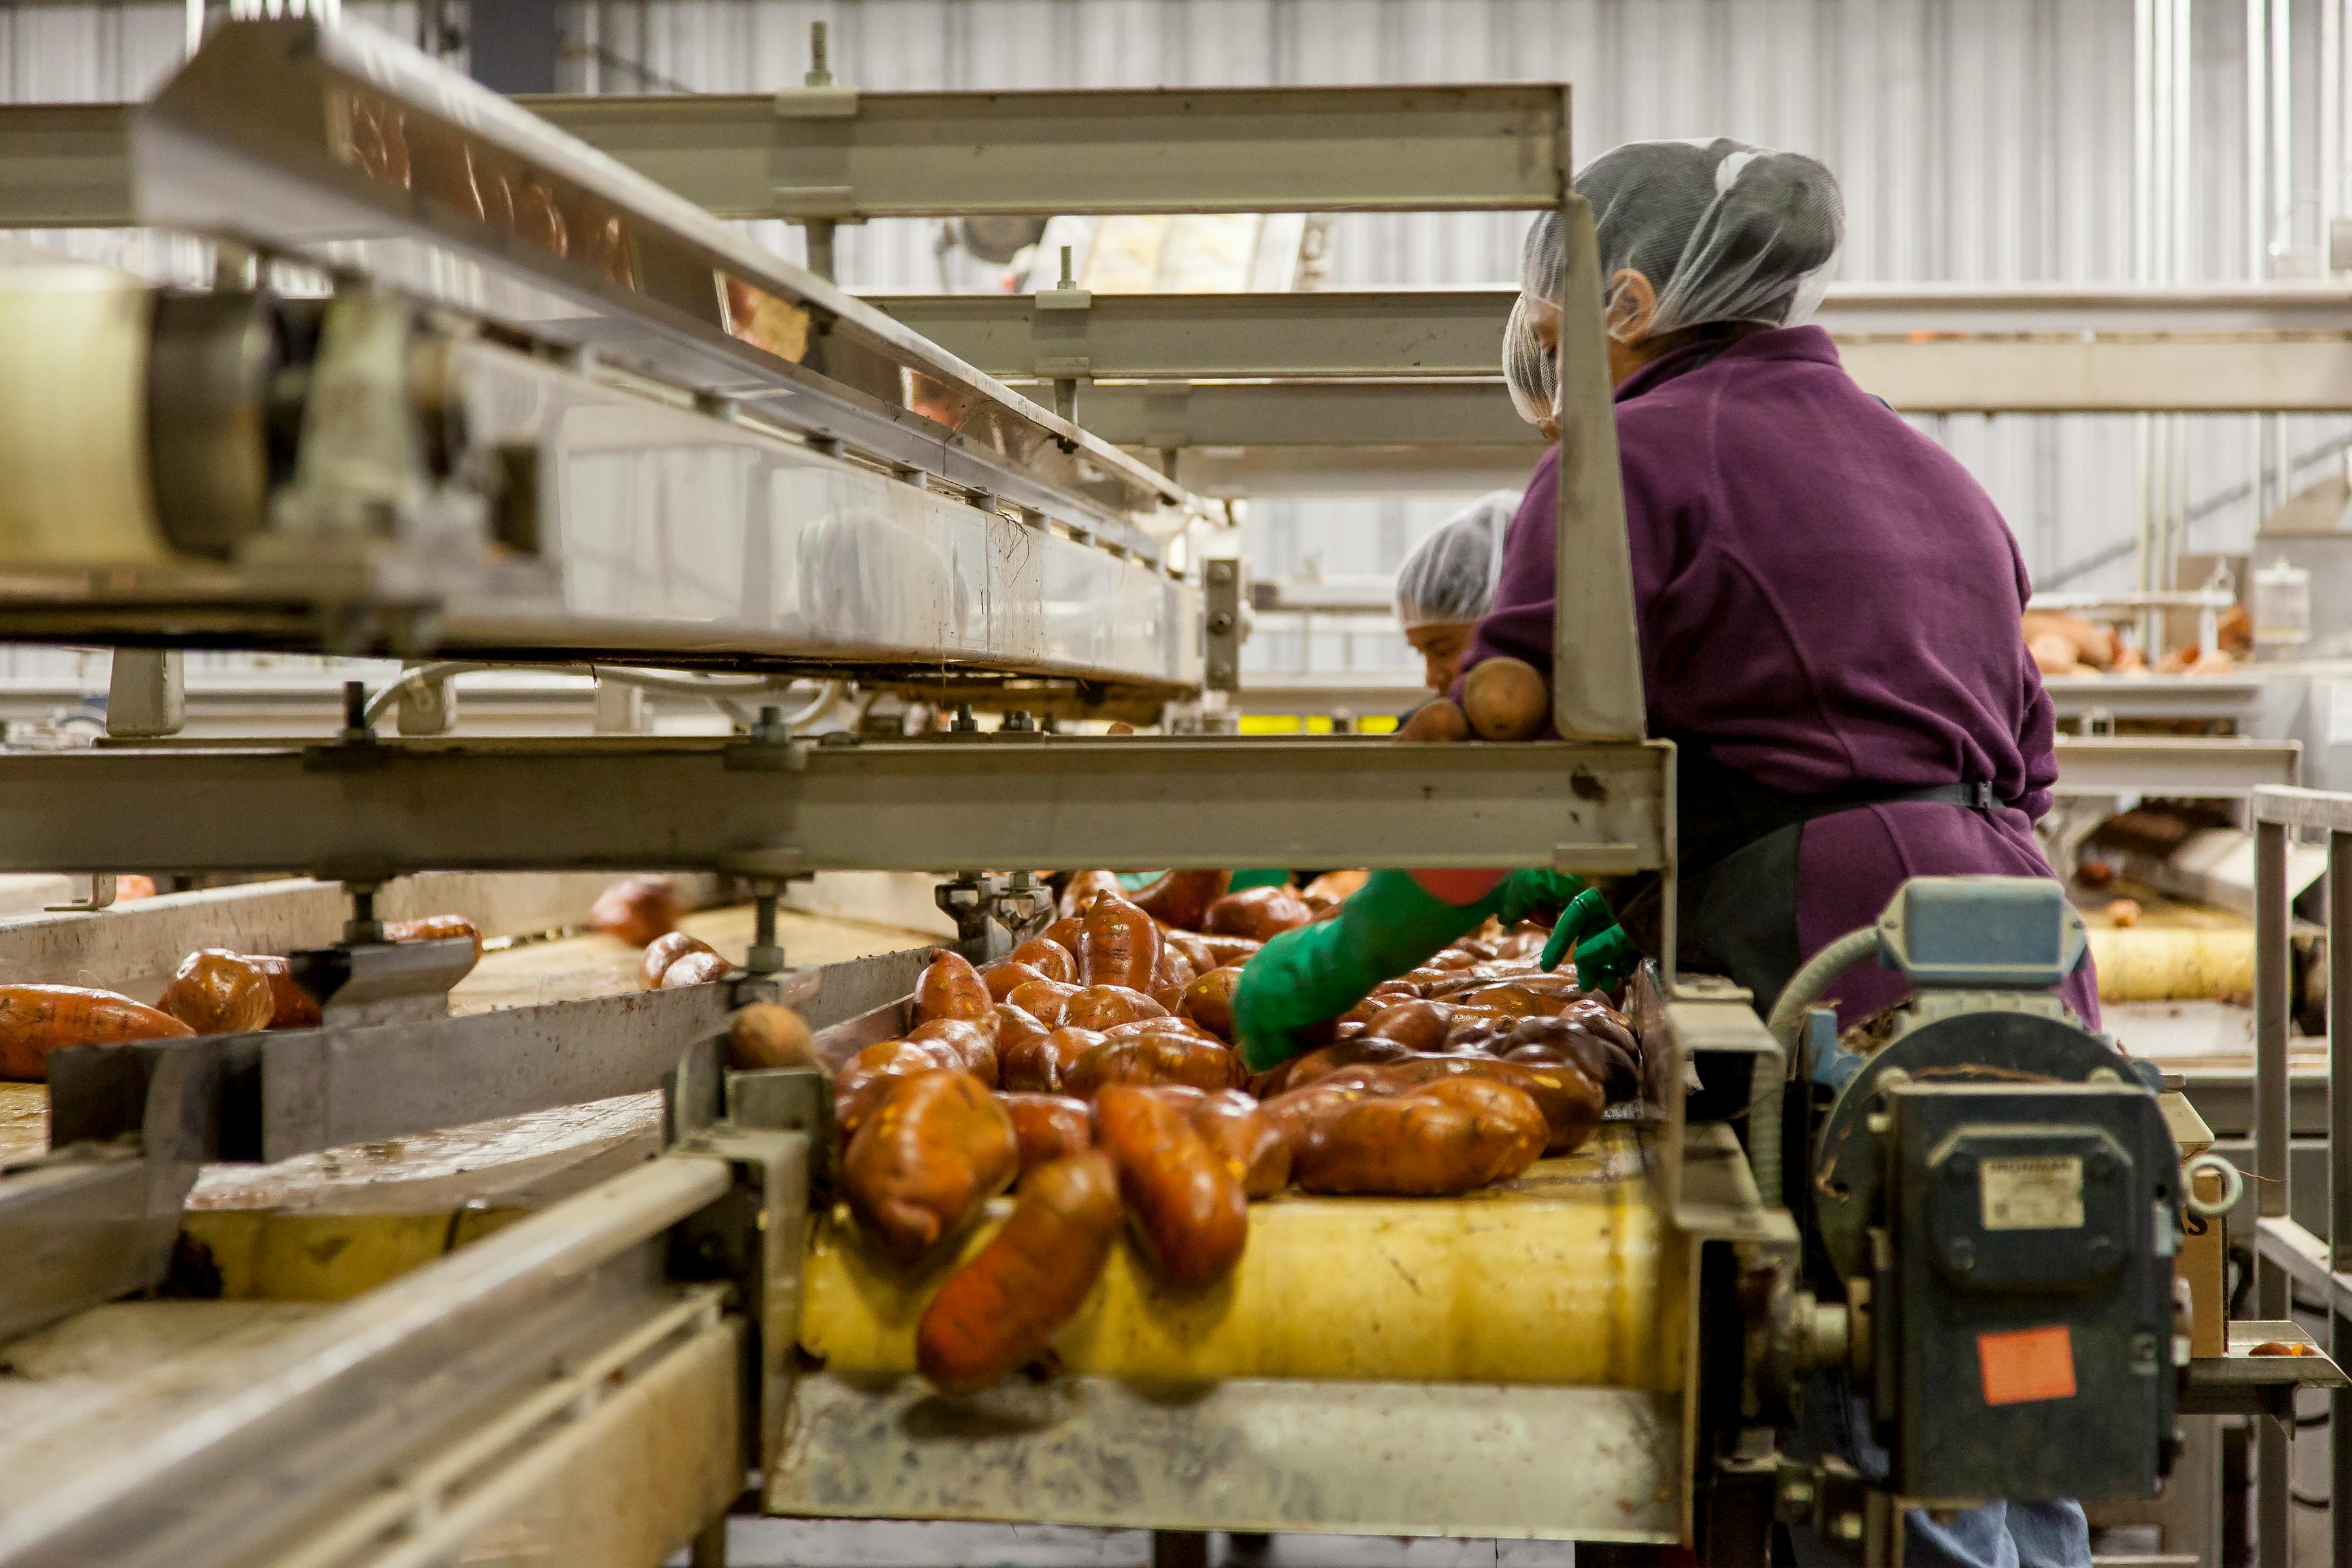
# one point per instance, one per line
(1987, 141)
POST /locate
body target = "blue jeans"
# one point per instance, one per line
(2050, 1534)
(1992, 1535)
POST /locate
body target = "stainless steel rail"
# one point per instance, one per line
(373, 810)
(2288, 1252)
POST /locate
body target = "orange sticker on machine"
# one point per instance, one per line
(2026, 1364)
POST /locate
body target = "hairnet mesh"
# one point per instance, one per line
(1722, 231)
(1449, 577)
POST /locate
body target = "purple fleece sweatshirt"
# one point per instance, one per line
(1829, 600)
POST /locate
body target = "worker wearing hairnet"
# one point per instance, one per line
(1827, 604)
(1447, 584)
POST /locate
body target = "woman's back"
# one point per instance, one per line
(1825, 598)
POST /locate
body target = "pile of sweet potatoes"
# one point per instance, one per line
(1096, 1068)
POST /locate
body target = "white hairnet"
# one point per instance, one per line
(1723, 231)
(1449, 577)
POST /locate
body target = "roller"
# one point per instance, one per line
(2160, 963)
(74, 480)
(1566, 1276)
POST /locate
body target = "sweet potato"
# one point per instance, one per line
(663, 951)
(1104, 1006)
(1048, 958)
(859, 1088)
(291, 1006)
(1043, 1000)
(1012, 1026)
(973, 1046)
(1049, 1126)
(1506, 700)
(215, 991)
(1252, 1145)
(1084, 888)
(1003, 1308)
(1182, 898)
(1069, 934)
(1001, 978)
(1258, 913)
(694, 969)
(636, 911)
(1310, 1067)
(37, 1019)
(1153, 1059)
(1193, 946)
(1439, 720)
(1416, 1026)
(921, 1167)
(1038, 1065)
(1233, 951)
(1189, 1210)
(435, 927)
(1122, 945)
(1442, 1138)
(1520, 1001)
(1209, 1001)
(1332, 888)
(769, 1035)
(1570, 1101)
(952, 988)
(1614, 1067)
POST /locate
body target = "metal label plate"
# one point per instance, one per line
(2033, 1193)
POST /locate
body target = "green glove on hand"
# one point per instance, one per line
(1602, 963)
(1524, 892)
(1586, 914)
(1318, 972)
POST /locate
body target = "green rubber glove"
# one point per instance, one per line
(1586, 914)
(1318, 972)
(1389, 926)
(1603, 963)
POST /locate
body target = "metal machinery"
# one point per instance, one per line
(544, 409)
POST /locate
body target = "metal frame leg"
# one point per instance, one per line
(2339, 1181)
(2271, 1479)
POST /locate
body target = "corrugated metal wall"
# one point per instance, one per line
(1977, 139)
(1983, 140)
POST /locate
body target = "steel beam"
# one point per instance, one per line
(829, 152)
(2170, 765)
(2026, 351)
(1243, 1454)
(377, 809)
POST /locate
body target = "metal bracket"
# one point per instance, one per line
(101, 896)
(1222, 627)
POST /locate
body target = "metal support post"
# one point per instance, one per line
(766, 955)
(146, 692)
(1596, 676)
(362, 927)
(2339, 1177)
(2272, 1006)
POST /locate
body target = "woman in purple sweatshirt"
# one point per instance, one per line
(1828, 608)
(1828, 602)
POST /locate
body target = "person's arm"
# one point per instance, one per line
(1396, 919)
(1520, 625)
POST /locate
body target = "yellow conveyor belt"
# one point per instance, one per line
(1566, 1276)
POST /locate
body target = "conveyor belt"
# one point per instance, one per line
(1562, 1277)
